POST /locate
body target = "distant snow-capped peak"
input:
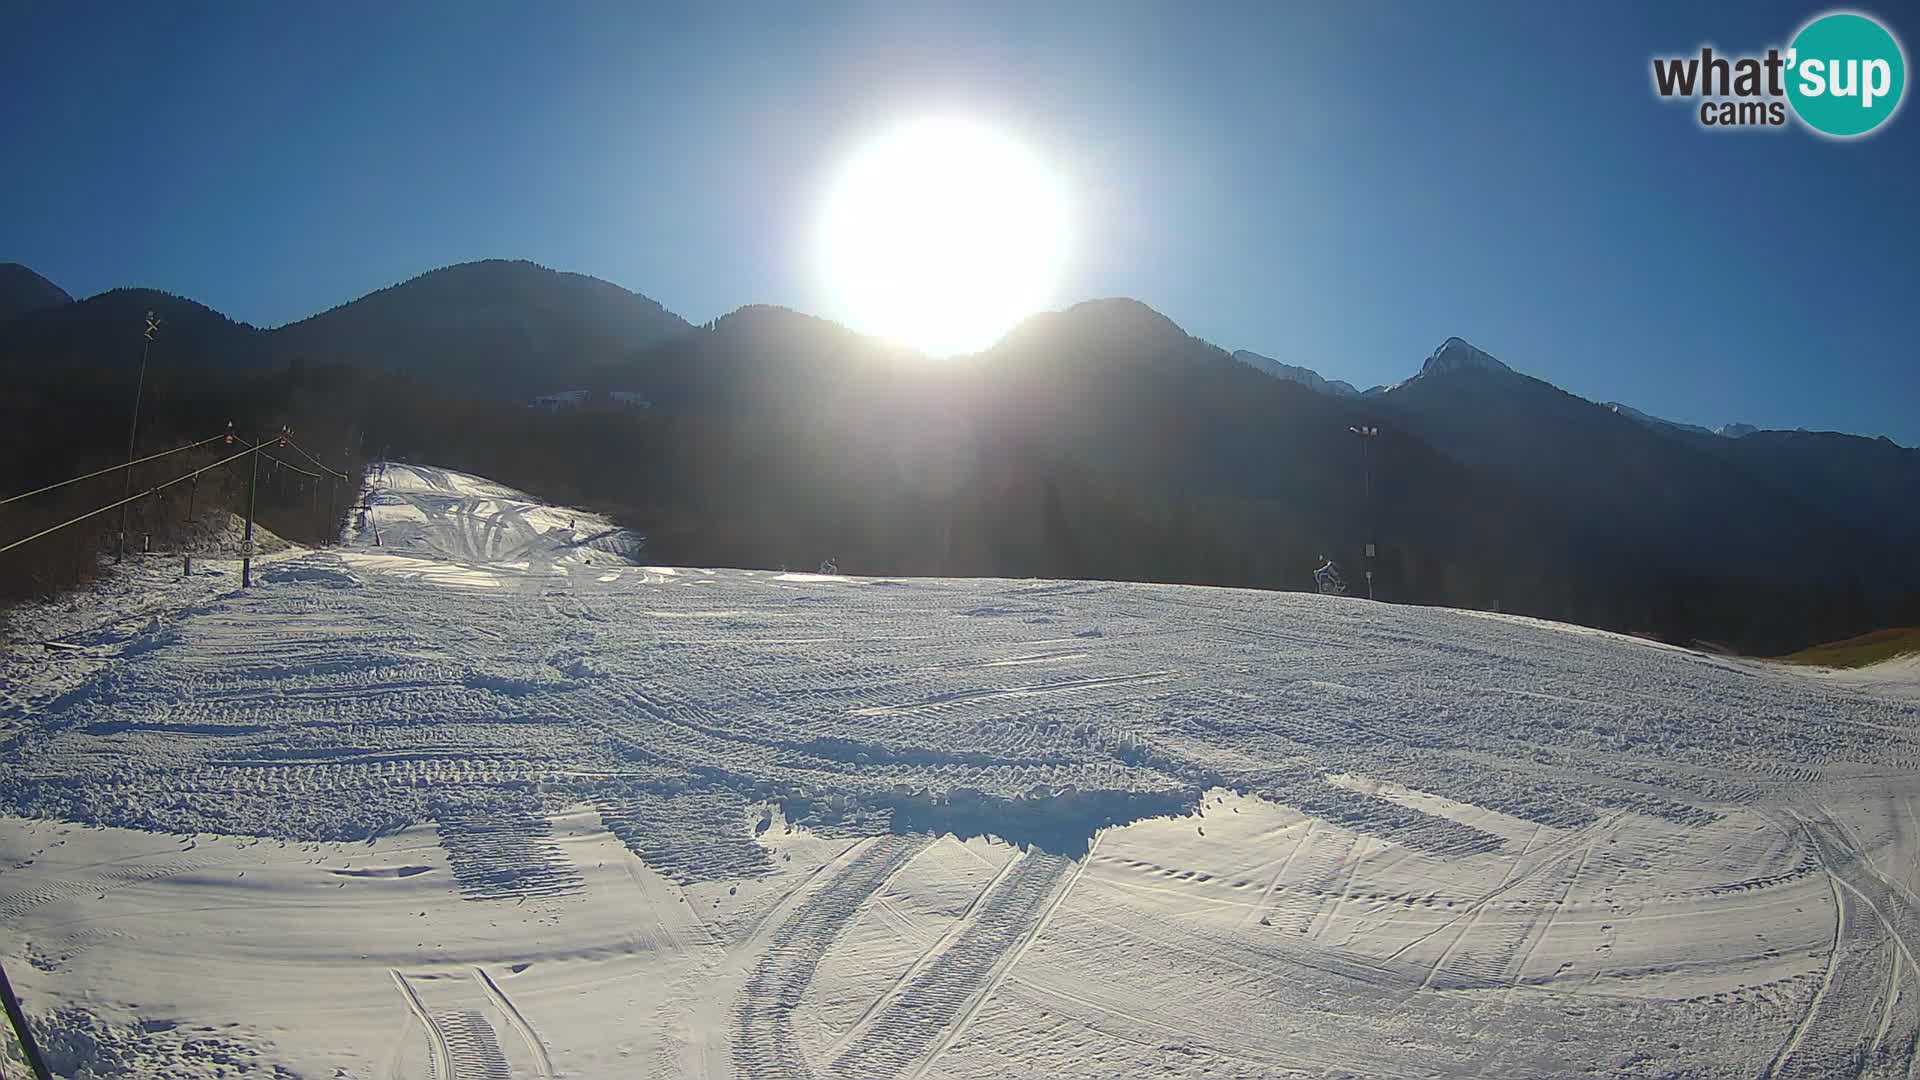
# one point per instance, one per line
(1306, 377)
(1456, 354)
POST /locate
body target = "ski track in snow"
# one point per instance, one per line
(1449, 820)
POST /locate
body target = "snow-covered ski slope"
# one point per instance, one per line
(414, 511)
(490, 799)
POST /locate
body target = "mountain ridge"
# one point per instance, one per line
(1305, 376)
(502, 326)
(23, 290)
(655, 323)
(465, 271)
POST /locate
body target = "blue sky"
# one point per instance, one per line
(1339, 187)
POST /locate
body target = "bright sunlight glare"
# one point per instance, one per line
(941, 234)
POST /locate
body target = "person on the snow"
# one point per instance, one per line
(1329, 579)
(828, 566)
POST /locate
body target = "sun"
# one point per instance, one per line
(941, 234)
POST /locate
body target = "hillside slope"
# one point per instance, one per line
(558, 812)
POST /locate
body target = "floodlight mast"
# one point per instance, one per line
(133, 429)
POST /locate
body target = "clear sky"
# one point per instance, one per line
(1340, 187)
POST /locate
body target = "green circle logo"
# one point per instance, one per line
(1845, 74)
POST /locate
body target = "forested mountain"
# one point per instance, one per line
(496, 326)
(1871, 484)
(1669, 502)
(22, 290)
(1101, 441)
(106, 331)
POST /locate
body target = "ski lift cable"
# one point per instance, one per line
(262, 447)
(122, 502)
(316, 461)
(108, 469)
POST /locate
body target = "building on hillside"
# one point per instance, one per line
(565, 399)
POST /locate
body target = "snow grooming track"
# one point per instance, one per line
(765, 1046)
(1846, 1023)
(462, 1042)
(934, 1001)
(685, 835)
(472, 1047)
(505, 855)
(537, 1050)
(1537, 893)
(442, 1060)
(1031, 935)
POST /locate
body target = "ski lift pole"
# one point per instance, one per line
(18, 1018)
(246, 543)
(193, 489)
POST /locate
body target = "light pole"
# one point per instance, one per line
(133, 429)
(1367, 434)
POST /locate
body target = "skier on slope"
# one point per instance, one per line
(1328, 578)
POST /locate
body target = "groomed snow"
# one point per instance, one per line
(490, 799)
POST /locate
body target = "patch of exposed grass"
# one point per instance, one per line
(1869, 648)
